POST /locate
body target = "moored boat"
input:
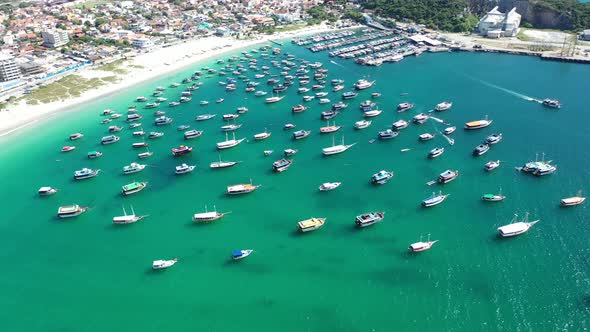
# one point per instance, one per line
(262, 136)
(163, 264)
(240, 254)
(363, 84)
(68, 148)
(238, 189)
(422, 246)
(329, 128)
(478, 124)
(229, 143)
(404, 107)
(336, 149)
(493, 197)
(76, 136)
(388, 134)
(362, 124)
(449, 130)
(155, 134)
(46, 191)
(368, 219)
(94, 154)
(183, 149)
(184, 169)
(571, 201)
(127, 218)
(399, 124)
(133, 168)
(205, 117)
(70, 211)
(516, 227)
(299, 134)
(327, 186)
(310, 224)
(109, 139)
(425, 136)
(86, 173)
(420, 118)
(445, 105)
(381, 177)
(491, 165)
(281, 165)
(448, 176)
(493, 138)
(434, 199)
(436, 152)
(192, 133)
(481, 149)
(209, 216)
(133, 187)
(372, 113)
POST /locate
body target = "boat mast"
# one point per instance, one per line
(132, 211)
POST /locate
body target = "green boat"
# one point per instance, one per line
(494, 197)
(94, 154)
(133, 188)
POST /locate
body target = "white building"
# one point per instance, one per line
(9, 70)
(496, 24)
(54, 38)
(586, 35)
(142, 42)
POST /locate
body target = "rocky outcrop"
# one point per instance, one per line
(539, 14)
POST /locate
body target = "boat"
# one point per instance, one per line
(445, 105)
(268, 152)
(299, 134)
(289, 152)
(134, 125)
(311, 224)
(163, 264)
(363, 84)
(434, 199)
(327, 115)
(155, 134)
(262, 136)
(114, 129)
(368, 219)
(94, 154)
(70, 211)
(205, 117)
(481, 149)
(339, 106)
(327, 186)
(86, 173)
(222, 164)
(493, 139)
(493, 197)
(183, 169)
(492, 165)
(209, 216)
(220, 100)
(173, 103)
(425, 137)
(105, 121)
(133, 117)
(182, 127)
(192, 134)
(338, 88)
(231, 127)
(109, 139)
(274, 99)
(139, 133)
(478, 124)
(76, 136)
(321, 94)
(449, 130)
(545, 169)
(107, 112)
(349, 95)
(288, 126)
(146, 154)
(127, 218)
(139, 145)
(516, 227)
(163, 120)
(46, 191)
(260, 93)
(227, 117)
(420, 118)
(329, 129)
(239, 254)
(551, 103)
(448, 176)
(404, 107)
(388, 134)
(375, 95)
(281, 165)
(115, 116)
(203, 102)
(161, 99)
(324, 101)
(229, 143)
(436, 152)
(308, 98)
(362, 124)
(399, 124)
(422, 246)
(336, 149)
(183, 149)
(242, 110)
(151, 105)
(372, 113)
(141, 99)
(571, 201)
(133, 187)
(238, 189)
(133, 168)
(381, 177)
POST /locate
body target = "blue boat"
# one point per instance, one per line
(239, 254)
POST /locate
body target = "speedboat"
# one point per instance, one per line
(327, 186)
(239, 254)
(281, 165)
(420, 118)
(388, 134)
(492, 165)
(299, 134)
(70, 211)
(46, 191)
(362, 124)
(183, 149)
(449, 130)
(404, 107)
(310, 224)
(133, 187)
(133, 168)
(76, 136)
(203, 102)
(327, 115)
(288, 126)
(182, 127)
(436, 152)
(205, 117)
(481, 149)
(338, 88)
(260, 93)
(173, 103)
(372, 113)
(308, 98)
(94, 154)
(163, 120)
(349, 95)
(290, 152)
(368, 219)
(375, 95)
(516, 227)
(127, 218)
(134, 125)
(381, 177)
(139, 145)
(426, 136)
(227, 117)
(551, 103)
(155, 134)
(363, 84)
(324, 101)
(493, 138)
(400, 124)
(571, 201)
(184, 168)
(192, 134)
(105, 121)
(478, 124)
(238, 189)
(109, 139)
(151, 105)
(159, 113)
(262, 136)
(114, 129)
(422, 246)
(163, 264)
(107, 112)
(321, 94)
(242, 110)
(85, 173)
(133, 117)
(141, 99)
(434, 199)
(220, 100)
(448, 176)
(303, 90)
(445, 105)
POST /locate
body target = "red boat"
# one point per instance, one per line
(183, 149)
(299, 108)
(68, 148)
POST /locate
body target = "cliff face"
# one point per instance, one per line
(539, 15)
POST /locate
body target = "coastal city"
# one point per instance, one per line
(297, 160)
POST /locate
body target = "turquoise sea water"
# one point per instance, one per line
(85, 274)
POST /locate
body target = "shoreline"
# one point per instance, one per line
(177, 58)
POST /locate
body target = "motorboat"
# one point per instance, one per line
(163, 120)
(205, 117)
(339, 106)
(336, 149)
(105, 121)
(445, 105)
(299, 134)
(478, 124)
(481, 149)
(308, 98)
(388, 134)
(551, 103)
(94, 154)
(493, 197)
(173, 103)
(422, 246)
(420, 118)
(448, 176)
(571, 201)
(192, 134)
(327, 115)
(139, 145)
(492, 165)
(240, 254)
(114, 129)
(159, 113)
(182, 127)
(107, 112)
(70, 211)
(133, 117)
(434, 199)
(368, 219)
(86, 173)
(134, 125)
(367, 105)
(338, 88)
(133, 168)
(242, 110)
(274, 99)
(238, 189)
(425, 136)
(327, 186)
(141, 99)
(209, 216)
(545, 169)
(404, 107)
(281, 165)
(46, 191)
(133, 187)
(262, 136)
(155, 134)
(288, 126)
(372, 113)
(183, 169)
(381, 177)
(375, 95)
(349, 95)
(127, 218)
(219, 101)
(163, 264)
(289, 152)
(493, 139)
(229, 143)
(109, 139)
(516, 227)
(363, 84)
(151, 105)
(144, 155)
(449, 130)
(76, 136)
(399, 124)
(227, 117)
(324, 101)
(260, 93)
(436, 152)
(310, 224)
(204, 102)
(321, 94)
(362, 124)
(231, 127)
(268, 152)
(183, 149)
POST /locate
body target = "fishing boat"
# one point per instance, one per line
(227, 117)
(163, 264)
(363, 84)
(422, 246)
(449, 130)
(420, 118)
(372, 113)
(493, 197)
(46, 191)
(162, 121)
(368, 219)
(404, 107)
(262, 136)
(381, 177)
(184, 169)
(155, 134)
(274, 99)
(288, 126)
(448, 176)
(205, 117)
(86, 173)
(327, 186)
(552, 103)
(192, 134)
(388, 134)
(290, 152)
(127, 218)
(281, 165)
(349, 95)
(445, 105)
(299, 134)
(209, 216)
(133, 168)
(94, 154)
(481, 149)
(183, 149)
(114, 129)
(478, 124)
(76, 136)
(238, 189)
(493, 139)
(336, 149)
(229, 143)
(240, 254)
(109, 139)
(572, 201)
(133, 187)
(310, 224)
(70, 211)
(222, 164)
(231, 127)
(516, 227)
(491, 165)
(399, 124)
(434, 199)
(436, 152)
(425, 137)
(362, 124)
(139, 145)
(329, 129)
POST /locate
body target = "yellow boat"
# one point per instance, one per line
(311, 224)
(478, 124)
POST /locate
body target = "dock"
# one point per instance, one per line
(275, 42)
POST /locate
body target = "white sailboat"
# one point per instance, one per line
(335, 149)
(128, 218)
(229, 143)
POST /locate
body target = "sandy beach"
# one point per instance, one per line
(139, 69)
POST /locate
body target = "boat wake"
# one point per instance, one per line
(511, 92)
(336, 63)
